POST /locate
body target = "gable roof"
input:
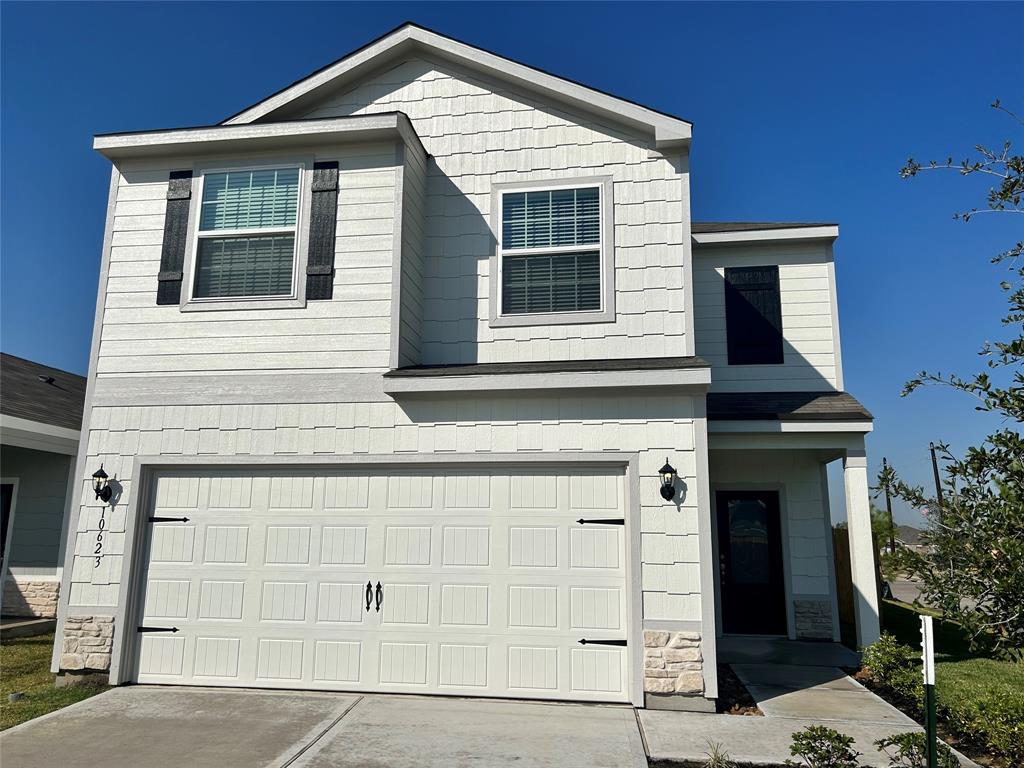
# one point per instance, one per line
(669, 131)
(40, 393)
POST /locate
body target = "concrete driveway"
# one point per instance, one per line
(161, 727)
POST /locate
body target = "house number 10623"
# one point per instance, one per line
(98, 549)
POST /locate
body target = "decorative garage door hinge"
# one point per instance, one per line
(168, 519)
(157, 629)
(603, 521)
(621, 643)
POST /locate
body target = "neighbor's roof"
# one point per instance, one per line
(785, 406)
(668, 129)
(40, 393)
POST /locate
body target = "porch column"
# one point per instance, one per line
(862, 556)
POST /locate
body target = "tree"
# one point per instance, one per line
(972, 566)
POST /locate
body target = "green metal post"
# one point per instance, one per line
(928, 673)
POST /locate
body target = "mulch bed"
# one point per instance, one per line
(966, 748)
(733, 697)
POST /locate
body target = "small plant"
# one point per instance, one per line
(717, 756)
(821, 747)
(907, 750)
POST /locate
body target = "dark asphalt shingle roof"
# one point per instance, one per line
(25, 395)
(704, 227)
(785, 406)
(556, 366)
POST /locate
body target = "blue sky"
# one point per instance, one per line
(800, 112)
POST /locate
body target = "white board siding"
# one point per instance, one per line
(351, 331)
(653, 426)
(479, 134)
(804, 507)
(810, 338)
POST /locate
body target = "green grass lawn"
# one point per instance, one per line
(25, 668)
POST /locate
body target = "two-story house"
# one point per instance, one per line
(416, 376)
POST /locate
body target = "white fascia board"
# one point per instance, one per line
(760, 235)
(225, 139)
(778, 427)
(37, 436)
(518, 382)
(669, 132)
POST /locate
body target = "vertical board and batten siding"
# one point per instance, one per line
(810, 336)
(411, 315)
(804, 507)
(653, 426)
(351, 331)
(478, 134)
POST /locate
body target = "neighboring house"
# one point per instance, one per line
(385, 371)
(40, 418)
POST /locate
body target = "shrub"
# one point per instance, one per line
(821, 747)
(718, 756)
(983, 701)
(907, 750)
(897, 669)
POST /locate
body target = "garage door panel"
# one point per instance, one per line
(488, 582)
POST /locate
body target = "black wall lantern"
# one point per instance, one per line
(99, 484)
(668, 481)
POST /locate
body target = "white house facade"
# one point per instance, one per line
(384, 375)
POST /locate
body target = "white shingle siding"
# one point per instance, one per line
(654, 426)
(479, 134)
(810, 338)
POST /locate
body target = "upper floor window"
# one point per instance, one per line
(247, 234)
(554, 255)
(753, 315)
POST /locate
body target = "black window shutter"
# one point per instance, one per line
(323, 218)
(753, 316)
(172, 257)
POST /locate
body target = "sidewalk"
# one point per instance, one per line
(792, 698)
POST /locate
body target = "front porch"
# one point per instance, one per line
(775, 579)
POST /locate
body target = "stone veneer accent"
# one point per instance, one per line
(26, 597)
(88, 641)
(813, 619)
(672, 662)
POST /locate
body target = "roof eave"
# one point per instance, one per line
(224, 139)
(829, 232)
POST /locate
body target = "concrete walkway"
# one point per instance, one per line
(791, 697)
(160, 727)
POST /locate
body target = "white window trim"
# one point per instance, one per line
(297, 297)
(606, 314)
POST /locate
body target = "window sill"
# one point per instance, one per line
(553, 318)
(220, 305)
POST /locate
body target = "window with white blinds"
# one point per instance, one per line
(551, 251)
(247, 233)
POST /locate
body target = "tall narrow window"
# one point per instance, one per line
(753, 315)
(247, 233)
(551, 251)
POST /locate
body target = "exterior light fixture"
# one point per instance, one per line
(99, 484)
(668, 481)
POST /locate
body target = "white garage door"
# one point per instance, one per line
(477, 582)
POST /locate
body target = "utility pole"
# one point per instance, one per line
(938, 483)
(888, 506)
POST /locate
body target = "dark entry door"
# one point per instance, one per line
(6, 496)
(750, 563)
